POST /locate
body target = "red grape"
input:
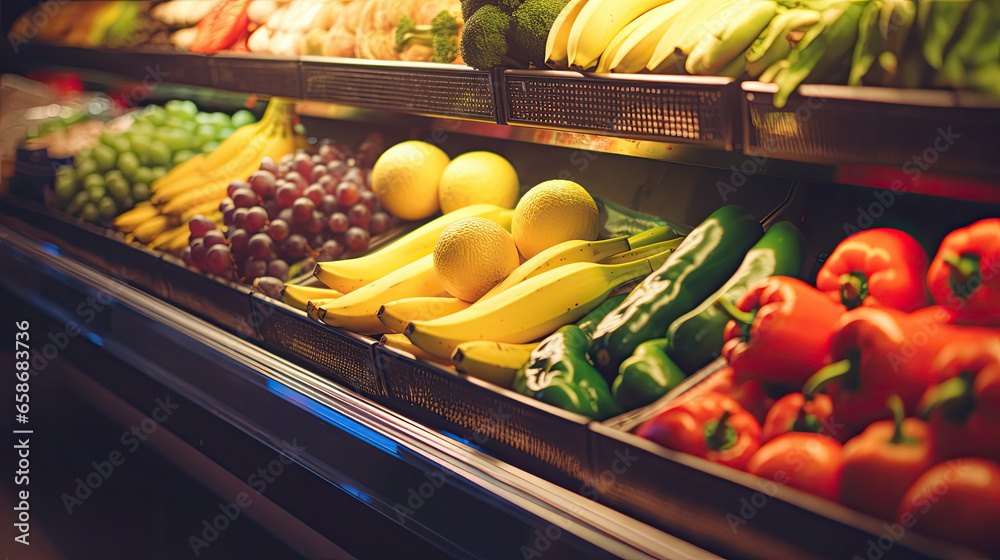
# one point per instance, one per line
(329, 153)
(218, 259)
(286, 196)
(296, 179)
(367, 198)
(278, 230)
(303, 164)
(235, 186)
(238, 240)
(359, 215)
(254, 269)
(315, 193)
(302, 210)
(256, 219)
(355, 176)
(263, 183)
(278, 268)
(329, 204)
(316, 239)
(268, 164)
(214, 237)
(357, 239)
(287, 159)
(226, 204)
(317, 172)
(331, 250)
(295, 247)
(259, 246)
(285, 215)
(380, 223)
(272, 209)
(316, 223)
(200, 225)
(198, 250)
(328, 184)
(228, 216)
(347, 194)
(338, 222)
(245, 198)
(336, 169)
(240, 218)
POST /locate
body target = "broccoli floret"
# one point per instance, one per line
(530, 26)
(484, 39)
(441, 34)
(469, 7)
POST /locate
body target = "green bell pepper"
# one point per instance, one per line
(646, 376)
(558, 372)
(709, 255)
(696, 338)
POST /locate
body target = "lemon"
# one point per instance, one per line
(553, 212)
(405, 179)
(472, 255)
(478, 178)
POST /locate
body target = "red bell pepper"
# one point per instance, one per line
(714, 427)
(221, 27)
(796, 413)
(881, 352)
(964, 410)
(965, 273)
(877, 267)
(956, 501)
(781, 331)
(883, 462)
(753, 396)
(809, 462)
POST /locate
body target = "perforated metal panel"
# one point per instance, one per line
(879, 126)
(513, 428)
(251, 74)
(332, 353)
(427, 89)
(680, 109)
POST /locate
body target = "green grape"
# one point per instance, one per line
(209, 147)
(158, 171)
(141, 147)
(242, 118)
(128, 164)
(190, 108)
(176, 139)
(121, 144)
(84, 167)
(126, 204)
(86, 153)
(104, 157)
(190, 126)
(174, 120)
(182, 156)
(118, 188)
(141, 129)
(224, 133)
(107, 208)
(97, 192)
(173, 105)
(221, 119)
(205, 133)
(65, 189)
(79, 200)
(107, 138)
(155, 114)
(143, 175)
(93, 180)
(203, 118)
(159, 153)
(90, 212)
(140, 192)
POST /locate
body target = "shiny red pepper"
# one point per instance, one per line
(795, 413)
(965, 273)
(883, 462)
(877, 267)
(809, 462)
(713, 426)
(964, 409)
(780, 332)
(881, 352)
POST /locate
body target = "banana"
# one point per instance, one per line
(730, 38)
(179, 243)
(555, 44)
(653, 236)
(204, 209)
(169, 237)
(496, 362)
(395, 315)
(358, 310)
(604, 64)
(772, 44)
(146, 231)
(528, 311)
(135, 217)
(644, 252)
(350, 274)
(633, 55)
(597, 25)
(689, 27)
(313, 306)
(397, 341)
(299, 296)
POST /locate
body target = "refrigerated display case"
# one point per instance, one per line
(394, 455)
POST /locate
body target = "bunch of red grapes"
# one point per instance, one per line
(317, 206)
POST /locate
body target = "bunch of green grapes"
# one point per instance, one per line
(116, 174)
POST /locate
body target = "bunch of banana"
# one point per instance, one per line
(496, 362)
(198, 185)
(395, 315)
(300, 296)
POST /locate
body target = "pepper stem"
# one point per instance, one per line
(743, 318)
(719, 435)
(895, 404)
(966, 276)
(836, 370)
(805, 422)
(953, 395)
(853, 289)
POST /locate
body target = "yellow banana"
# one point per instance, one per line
(555, 44)
(142, 212)
(177, 244)
(692, 24)
(146, 231)
(204, 209)
(597, 25)
(496, 362)
(644, 252)
(350, 274)
(636, 51)
(652, 236)
(170, 236)
(604, 64)
(358, 310)
(395, 315)
(313, 306)
(727, 41)
(528, 311)
(399, 342)
(299, 296)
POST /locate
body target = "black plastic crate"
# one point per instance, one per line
(226, 304)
